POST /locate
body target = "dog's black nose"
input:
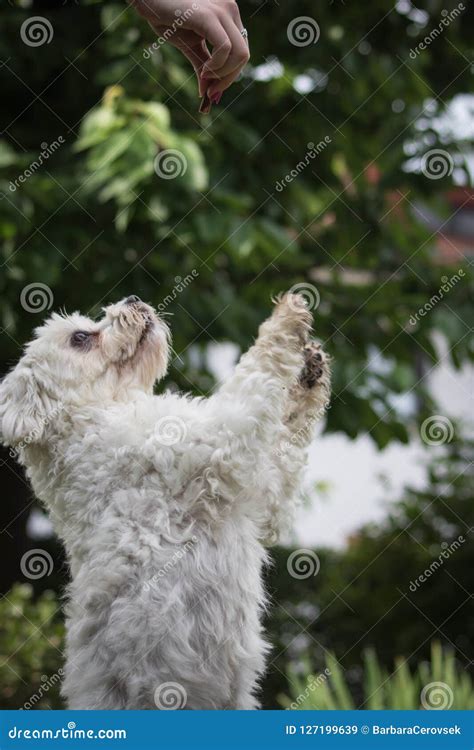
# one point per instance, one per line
(133, 298)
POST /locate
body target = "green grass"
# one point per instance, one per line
(437, 684)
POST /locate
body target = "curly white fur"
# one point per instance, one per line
(164, 503)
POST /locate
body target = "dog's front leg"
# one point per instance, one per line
(249, 412)
(257, 392)
(307, 404)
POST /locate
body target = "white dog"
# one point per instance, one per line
(164, 503)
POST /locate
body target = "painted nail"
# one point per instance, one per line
(215, 98)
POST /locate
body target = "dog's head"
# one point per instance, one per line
(76, 361)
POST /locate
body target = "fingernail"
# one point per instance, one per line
(215, 98)
(203, 85)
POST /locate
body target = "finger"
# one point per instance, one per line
(197, 55)
(220, 85)
(239, 54)
(191, 45)
(217, 36)
(198, 64)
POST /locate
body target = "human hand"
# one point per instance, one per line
(190, 25)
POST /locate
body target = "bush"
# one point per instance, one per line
(396, 586)
(31, 642)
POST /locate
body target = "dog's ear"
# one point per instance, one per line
(24, 408)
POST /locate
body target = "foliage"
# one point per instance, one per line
(396, 586)
(437, 684)
(96, 222)
(366, 597)
(31, 639)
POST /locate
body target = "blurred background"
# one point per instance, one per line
(340, 164)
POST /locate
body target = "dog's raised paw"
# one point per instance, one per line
(293, 312)
(314, 366)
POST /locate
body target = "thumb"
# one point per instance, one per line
(197, 54)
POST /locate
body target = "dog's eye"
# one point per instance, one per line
(80, 338)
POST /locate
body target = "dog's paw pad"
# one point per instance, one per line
(315, 361)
